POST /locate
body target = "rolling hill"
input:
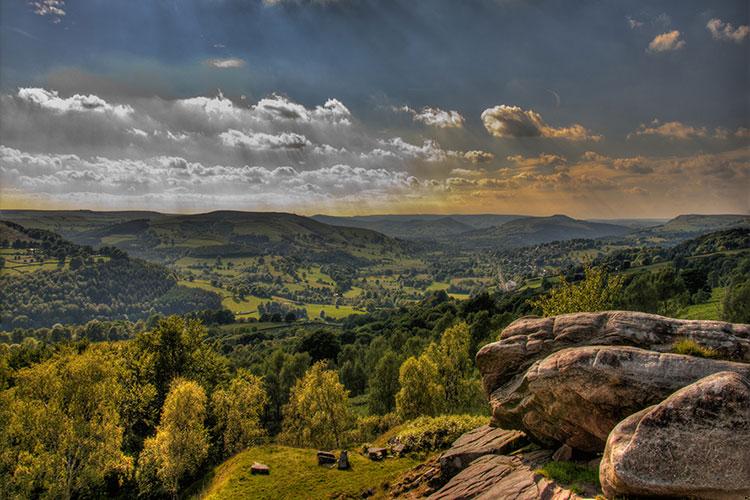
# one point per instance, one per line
(535, 230)
(690, 225)
(164, 237)
(402, 227)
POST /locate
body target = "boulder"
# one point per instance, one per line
(502, 476)
(528, 340)
(484, 440)
(576, 396)
(326, 457)
(376, 453)
(693, 444)
(259, 468)
(343, 461)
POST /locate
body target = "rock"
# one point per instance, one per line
(530, 339)
(376, 453)
(259, 468)
(418, 482)
(501, 476)
(484, 440)
(343, 461)
(563, 454)
(693, 444)
(397, 448)
(576, 396)
(326, 457)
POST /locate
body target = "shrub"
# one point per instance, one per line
(436, 433)
(692, 348)
(370, 427)
(570, 474)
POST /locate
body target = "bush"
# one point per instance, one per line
(570, 474)
(370, 427)
(436, 433)
(692, 348)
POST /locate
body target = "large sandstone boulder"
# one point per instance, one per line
(530, 339)
(576, 396)
(695, 444)
(484, 440)
(501, 476)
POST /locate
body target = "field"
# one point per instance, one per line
(23, 261)
(295, 474)
(707, 310)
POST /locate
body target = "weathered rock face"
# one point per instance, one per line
(693, 444)
(576, 396)
(530, 339)
(481, 441)
(501, 476)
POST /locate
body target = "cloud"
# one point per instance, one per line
(429, 150)
(54, 8)
(726, 32)
(544, 163)
(49, 99)
(280, 107)
(634, 23)
(261, 141)
(479, 156)
(435, 117)
(666, 42)
(229, 63)
(511, 121)
(681, 131)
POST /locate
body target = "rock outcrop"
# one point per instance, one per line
(501, 476)
(481, 441)
(694, 443)
(529, 339)
(576, 396)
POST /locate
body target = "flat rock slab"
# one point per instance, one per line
(577, 396)
(258, 468)
(696, 444)
(501, 476)
(377, 453)
(484, 440)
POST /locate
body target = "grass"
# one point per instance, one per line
(707, 310)
(570, 474)
(692, 348)
(432, 433)
(295, 474)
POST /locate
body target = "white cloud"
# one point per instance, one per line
(634, 23)
(682, 131)
(726, 32)
(54, 8)
(49, 99)
(428, 151)
(666, 42)
(261, 141)
(435, 117)
(511, 121)
(479, 156)
(228, 63)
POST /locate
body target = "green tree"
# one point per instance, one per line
(596, 292)
(318, 412)
(62, 433)
(736, 304)
(353, 377)
(420, 393)
(180, 445)
(455, 368)
(237, 409)
(384, 384)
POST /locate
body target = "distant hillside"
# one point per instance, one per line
(46, 280)
(419, 226)
(693, 224)
(536, 230)
(401, 227)
(162, 237)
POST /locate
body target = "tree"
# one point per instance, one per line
(736, 304)
(318, 412)
(455, 367)
(237, 409)
(181, 442)
(420, 392)
(62, 434)
(320, 344)
(353, 377)
(384, 384)
(596, 292)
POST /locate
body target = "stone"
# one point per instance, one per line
(376, 453)
(530, 339)
(343, 461)
(326, 457)
(563, 454)
(693, 444)
(576, 396)
(397, 448)
(259, 468)
(502, 476)
(484, 440)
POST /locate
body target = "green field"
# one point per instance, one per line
(295, 474)
(708, 310)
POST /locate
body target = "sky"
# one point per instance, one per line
(592, 108)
